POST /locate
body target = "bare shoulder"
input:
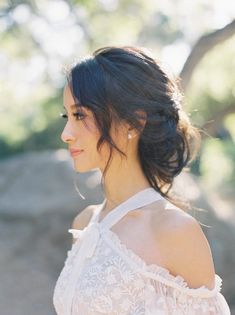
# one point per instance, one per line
(82, 219)
(185, 246)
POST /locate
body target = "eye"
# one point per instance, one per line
(63, 115)
(77, 115)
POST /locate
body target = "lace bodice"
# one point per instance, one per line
(102, 276)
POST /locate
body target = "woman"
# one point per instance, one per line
(138, 252)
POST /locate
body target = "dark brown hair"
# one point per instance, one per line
(114, 83)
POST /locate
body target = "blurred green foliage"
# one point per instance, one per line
(39, 38)
(211, 103)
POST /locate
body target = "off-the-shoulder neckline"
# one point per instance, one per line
(153, 271)
(161, 273)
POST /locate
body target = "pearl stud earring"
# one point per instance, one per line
(129, 136)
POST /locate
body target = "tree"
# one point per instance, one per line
(201, 48)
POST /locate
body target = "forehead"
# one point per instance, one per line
(69, 101)
(72, 106)
(68, 97)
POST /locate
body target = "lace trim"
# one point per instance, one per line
(154, 271)
(162, 274)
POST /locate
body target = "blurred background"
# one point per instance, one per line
(39, 191)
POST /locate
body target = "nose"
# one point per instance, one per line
(66, 135)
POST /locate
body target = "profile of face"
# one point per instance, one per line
(81, 133)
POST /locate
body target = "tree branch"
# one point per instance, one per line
(212, 127)
(202, 46)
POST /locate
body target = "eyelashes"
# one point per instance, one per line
(63, 115)
(78, 116)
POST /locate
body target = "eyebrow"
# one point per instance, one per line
(73, 106)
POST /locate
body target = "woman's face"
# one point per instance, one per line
(81, 133)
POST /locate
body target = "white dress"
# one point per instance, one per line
(102, 276)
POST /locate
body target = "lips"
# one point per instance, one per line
(72, 151)
(75, 152)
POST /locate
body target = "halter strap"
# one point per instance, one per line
(138, 200)
(91, 234)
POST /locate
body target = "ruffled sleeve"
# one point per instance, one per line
(166, 294)
(76, 233)
(171, 295)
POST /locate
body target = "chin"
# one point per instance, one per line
(82, 168)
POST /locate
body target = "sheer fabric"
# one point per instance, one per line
(102, 276)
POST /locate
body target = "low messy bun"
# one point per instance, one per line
(116, 82)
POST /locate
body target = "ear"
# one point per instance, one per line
(141, 116)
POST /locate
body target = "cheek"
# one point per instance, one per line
(85, 131)
(89, 136)
(119, 140)
(119, 137)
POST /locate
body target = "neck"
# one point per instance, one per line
(122, 181)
